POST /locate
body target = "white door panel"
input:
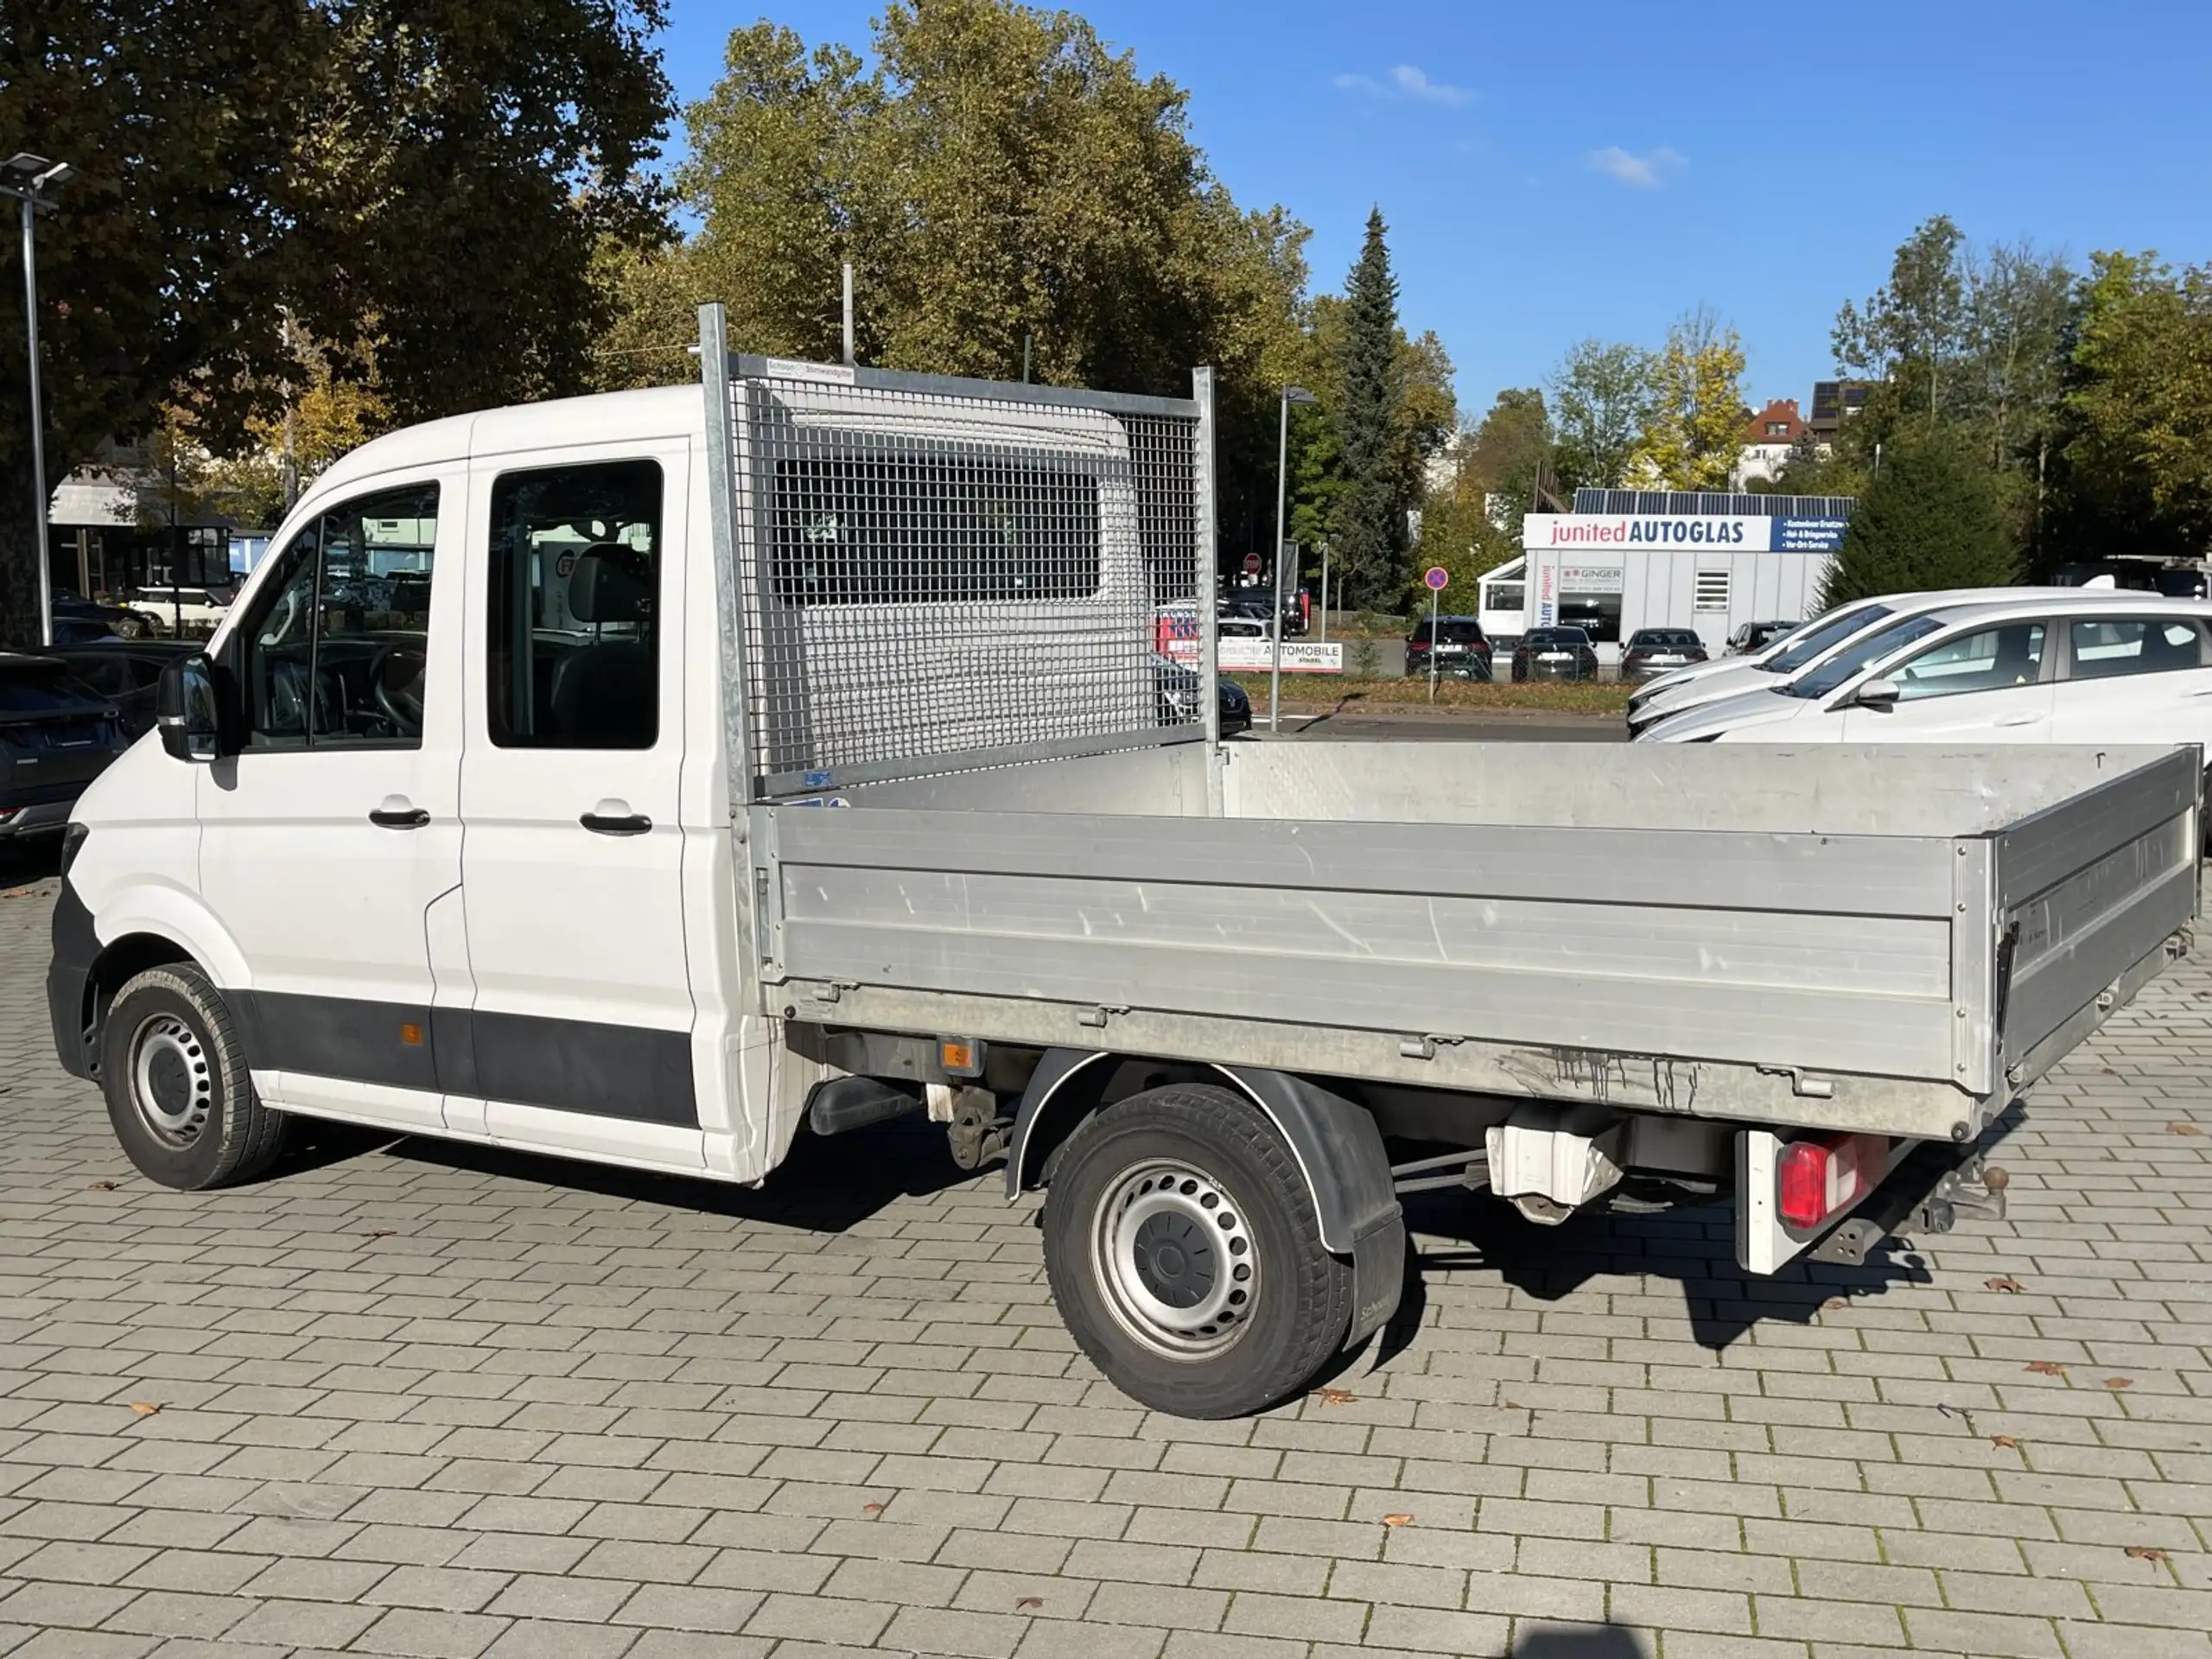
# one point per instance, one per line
(2021, 714)
(573, 863)
(325, 842)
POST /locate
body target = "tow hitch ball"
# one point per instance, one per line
(1975, 1191)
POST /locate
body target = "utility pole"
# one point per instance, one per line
(27, 177)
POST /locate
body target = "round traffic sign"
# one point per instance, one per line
(1436, 577)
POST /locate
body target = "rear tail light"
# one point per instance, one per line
(1822, 1177)
(7, 814)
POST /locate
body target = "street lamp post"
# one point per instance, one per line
(26, 177)
(1290, 395)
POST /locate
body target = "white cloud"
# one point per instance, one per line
(1405, 81)
(1414, 84)
(1645, 171)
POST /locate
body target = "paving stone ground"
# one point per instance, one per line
(420, 1400)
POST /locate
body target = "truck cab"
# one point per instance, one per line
(458, 856)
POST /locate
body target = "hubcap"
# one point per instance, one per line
(1175, 1259)
(171, 1082)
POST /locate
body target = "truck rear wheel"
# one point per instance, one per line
(1186, 1256)
(177, 1089)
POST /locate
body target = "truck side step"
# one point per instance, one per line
(845, 1103)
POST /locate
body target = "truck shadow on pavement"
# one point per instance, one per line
(1695, 1247)
(824, 1187)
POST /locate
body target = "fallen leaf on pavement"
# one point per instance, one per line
(2145, 1552)
(1336, 1396)
(2009, 1286)
(2120, 1381)
(871, 1509)
(2004, 1441)
(2046, 1368)
(144, 1408)
(383, 1232)
(1397, 1520)
(2184, 1128)
(103, 1186)
(1835, 1302)
(1028, 1601)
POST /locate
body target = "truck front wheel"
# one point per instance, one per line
(1186, 1256)
(178, 1093)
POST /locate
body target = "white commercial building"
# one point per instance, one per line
(1630, 559)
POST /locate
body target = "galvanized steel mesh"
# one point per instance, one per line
(934, 578)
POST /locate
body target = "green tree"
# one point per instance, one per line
(428, 174)
(1601, 402)
(1370, 532)
(1929, 520)
(1693, 428)
(1003, 184)
(2137, 409)
(1471, 523)
(1913, 330)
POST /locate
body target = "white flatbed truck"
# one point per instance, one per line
(655, 778)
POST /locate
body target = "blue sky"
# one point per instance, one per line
(1556, 170)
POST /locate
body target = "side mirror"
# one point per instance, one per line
(186, 710)
(1880, 695)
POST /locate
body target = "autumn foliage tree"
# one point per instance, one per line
(437, 170)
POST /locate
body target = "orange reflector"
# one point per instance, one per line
(410, 1034)
(957, 1056)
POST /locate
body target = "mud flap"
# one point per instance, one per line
(1378, 1279)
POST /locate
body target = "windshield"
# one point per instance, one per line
(1817, 640)
(1665, 639)
(1855, 658)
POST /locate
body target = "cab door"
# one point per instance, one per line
(1989, 685)
(2134, 679)
(326, 840)
(580, 1015)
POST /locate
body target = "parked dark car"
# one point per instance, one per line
(124, 672)
(1752, 637)
(56, 735)
(1178, 697)
(1654, 652)
(1460, 648)
(1554, 654)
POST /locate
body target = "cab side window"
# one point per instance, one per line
(2101, 649)
(335, 649)
(1993, 660)
(574, 657)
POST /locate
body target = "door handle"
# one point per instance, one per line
(627, 823)
(2019, 719)
(390, 816)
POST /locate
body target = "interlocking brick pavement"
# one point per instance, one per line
(424, 1400)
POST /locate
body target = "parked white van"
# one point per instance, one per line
(655, 777)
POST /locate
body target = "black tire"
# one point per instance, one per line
(178, 1092)
(1260, 1218)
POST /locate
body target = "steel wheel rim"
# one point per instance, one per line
(1175, 1257)
(172, 1085)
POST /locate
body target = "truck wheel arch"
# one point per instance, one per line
(1338, 1148)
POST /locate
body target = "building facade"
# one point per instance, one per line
(1629, 559)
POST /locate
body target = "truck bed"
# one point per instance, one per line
(1891, 940)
